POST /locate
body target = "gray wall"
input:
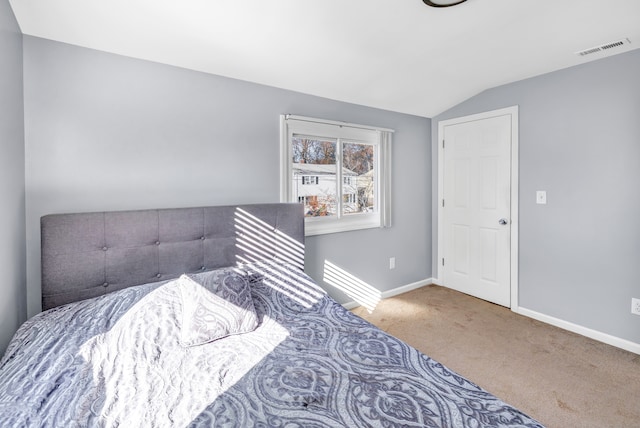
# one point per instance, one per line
(579, 141)
(12, 214)
(106, 132)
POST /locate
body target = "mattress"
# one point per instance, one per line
(121, 360)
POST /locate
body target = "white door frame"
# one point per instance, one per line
(513, 111)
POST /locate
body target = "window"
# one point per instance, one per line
(309, 179)
(307, 200)
(340, 172)
(349, 198)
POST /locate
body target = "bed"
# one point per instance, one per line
(205, 317)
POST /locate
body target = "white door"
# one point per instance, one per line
(476, 206)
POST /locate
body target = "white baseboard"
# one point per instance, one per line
(394, 292)
(618, 342)
(584, 331)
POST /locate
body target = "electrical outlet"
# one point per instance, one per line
(392, 263)
(541, 197)
(635, 306)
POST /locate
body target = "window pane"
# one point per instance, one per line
(314, 174)
(358, 184)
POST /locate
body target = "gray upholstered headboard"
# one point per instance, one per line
(90, 254)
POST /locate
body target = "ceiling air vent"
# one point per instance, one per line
(604, 47)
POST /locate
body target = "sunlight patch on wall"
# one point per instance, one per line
(363, 293)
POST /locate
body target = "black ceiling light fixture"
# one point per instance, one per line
(442, 3)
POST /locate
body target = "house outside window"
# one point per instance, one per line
(337, 172)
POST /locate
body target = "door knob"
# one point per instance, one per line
(503, 221)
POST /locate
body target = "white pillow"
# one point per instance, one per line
(215, 304)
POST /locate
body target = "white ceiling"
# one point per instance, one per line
(398, 55)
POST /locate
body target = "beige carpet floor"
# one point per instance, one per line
(560, 378)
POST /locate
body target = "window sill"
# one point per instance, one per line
(315, 226)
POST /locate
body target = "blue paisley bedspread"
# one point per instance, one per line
(117, 360)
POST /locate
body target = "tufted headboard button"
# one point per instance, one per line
(104, 248)
(158, 276)
(157, 242)
(105, 284)
(202, 238)
(202, 268)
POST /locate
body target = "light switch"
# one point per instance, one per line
(541, 197)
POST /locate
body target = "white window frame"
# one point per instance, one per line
(380, 138)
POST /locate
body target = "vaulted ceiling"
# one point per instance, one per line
(398, 55)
